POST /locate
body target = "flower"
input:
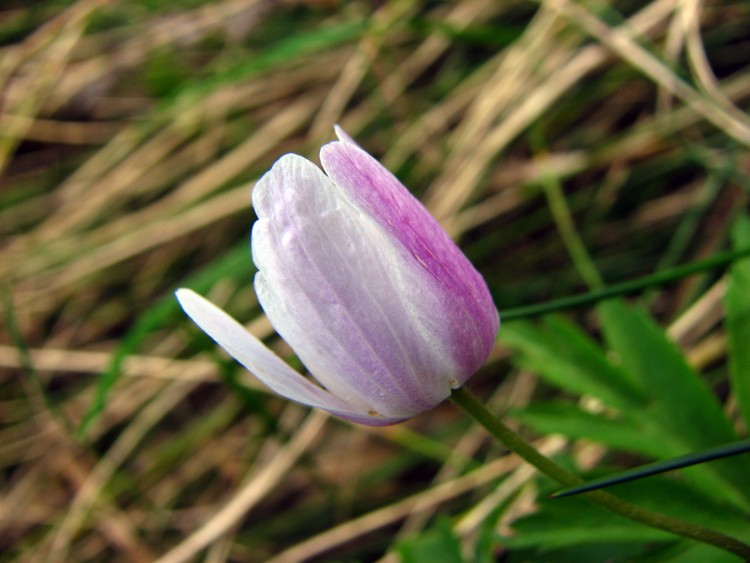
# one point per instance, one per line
(354, 273)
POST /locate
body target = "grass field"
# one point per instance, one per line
(569, 147)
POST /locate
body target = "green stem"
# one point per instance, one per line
(566, 226)
(464, 399)
(634, 286)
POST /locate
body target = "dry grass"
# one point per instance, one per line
(128, 152)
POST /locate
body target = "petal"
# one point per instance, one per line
(343, 136)
(467, 316)
(263, 363)
(338, 291)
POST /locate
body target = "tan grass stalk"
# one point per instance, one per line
(252, 492)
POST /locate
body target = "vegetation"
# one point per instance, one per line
(568, 146)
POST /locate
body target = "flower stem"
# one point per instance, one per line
(469, 403)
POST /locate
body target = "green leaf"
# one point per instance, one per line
(582, 523)
(679, 498)
(681, 402)
(680, 399)
(571, 421)
(692, 552)
(662, 406)
(565, 356)
(438, 543)
(560, 523)
(737, 302)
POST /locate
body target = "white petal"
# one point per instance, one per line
(261, 361)
(343, 136)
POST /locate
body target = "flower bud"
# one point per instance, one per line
(373, 296)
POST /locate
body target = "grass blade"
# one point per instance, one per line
(626, 288)
(658, 467)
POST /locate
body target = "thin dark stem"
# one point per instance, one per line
(634, 286)
(545, 465)
(658, 467)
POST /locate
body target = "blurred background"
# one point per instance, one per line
(561, 143)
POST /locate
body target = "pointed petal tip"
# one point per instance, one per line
(343, 136)
(184, 296)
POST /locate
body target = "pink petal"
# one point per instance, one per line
(467, 313)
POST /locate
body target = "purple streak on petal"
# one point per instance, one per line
(264, 364)
(336, 289)
(470, 318)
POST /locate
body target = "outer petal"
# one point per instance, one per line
(466, 316)
(339, 291)
(262, 362)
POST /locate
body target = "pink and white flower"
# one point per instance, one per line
(374, 297)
